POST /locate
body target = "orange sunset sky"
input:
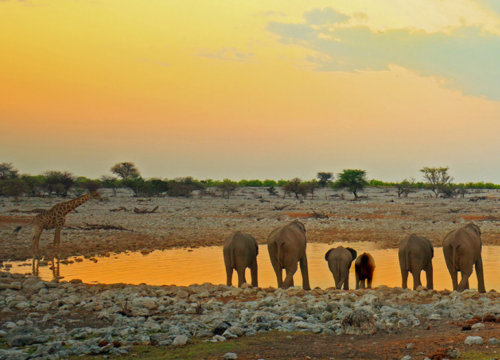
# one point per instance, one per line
(251, 89)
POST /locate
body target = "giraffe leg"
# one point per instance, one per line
(57, 243)
(36, 242)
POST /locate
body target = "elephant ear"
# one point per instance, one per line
(353, 253)
(326, 255)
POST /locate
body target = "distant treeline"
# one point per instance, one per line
(126, 175)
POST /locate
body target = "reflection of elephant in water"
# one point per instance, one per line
(240, 251)
(287, 247)
(415, 255)
(339, 261)
(462, 250)
(364, 266)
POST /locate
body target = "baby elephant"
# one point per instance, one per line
(240, 251)
(364, 266)
(339, 261)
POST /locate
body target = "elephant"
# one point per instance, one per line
(364, 267)
(240, 251)
(416, 254)
(287, 246)
(339, 261)
(462, 249)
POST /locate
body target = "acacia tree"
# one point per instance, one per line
(406, 187)
(297, 187)
(437, 178)
(353, 180)
(7, 171)
(125, 170)
(324, 178)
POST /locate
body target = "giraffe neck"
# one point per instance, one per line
(73, 204)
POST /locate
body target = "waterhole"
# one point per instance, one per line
(183, 268)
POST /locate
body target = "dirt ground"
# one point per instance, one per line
(431, 341)
(380, 216)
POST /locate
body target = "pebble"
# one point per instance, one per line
(473, 340)
(230, 356)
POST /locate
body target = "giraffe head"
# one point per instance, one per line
(94, 195)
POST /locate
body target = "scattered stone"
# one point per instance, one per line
(473, 340)
(180, 340)
(360, 322)
(478, 326)
(230, 356)
(493, 341)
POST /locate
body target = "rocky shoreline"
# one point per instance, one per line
(51, 320)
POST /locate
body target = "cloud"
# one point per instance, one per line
(325, 16)
(493, 5)
(360, 16)
(270, 13)
(228, 54)
(466, 57)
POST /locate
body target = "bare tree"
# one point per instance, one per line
(437, 178)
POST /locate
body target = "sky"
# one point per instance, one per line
(255, 89)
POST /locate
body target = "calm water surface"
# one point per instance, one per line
(184, 268)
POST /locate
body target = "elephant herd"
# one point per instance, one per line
(287, 250)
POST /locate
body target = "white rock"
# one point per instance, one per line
(478, 326)
(180, 340)
(230, 356)
(473, 340)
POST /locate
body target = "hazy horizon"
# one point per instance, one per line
(251, 90)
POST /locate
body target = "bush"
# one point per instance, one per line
(183, 187)
(227, 187)
(297, 187)
(272, 191)
(353, 180)
(406, 187)
(14, 187)
(110, 182)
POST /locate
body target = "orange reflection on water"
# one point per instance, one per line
(184, 268)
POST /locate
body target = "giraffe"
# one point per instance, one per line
(55, 217)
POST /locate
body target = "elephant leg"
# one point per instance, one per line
(454, 279)
(290, 271)
(277, 270)
(430, 277)
(346, 282)
(404, 275)
(416, 278)
(305, 273)
(36, 267)
(464, 283)
(241, 275)
(357, 280)
(229, 275)
(36, 242)
(480, 276)
(369, 281)
(253, 273)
